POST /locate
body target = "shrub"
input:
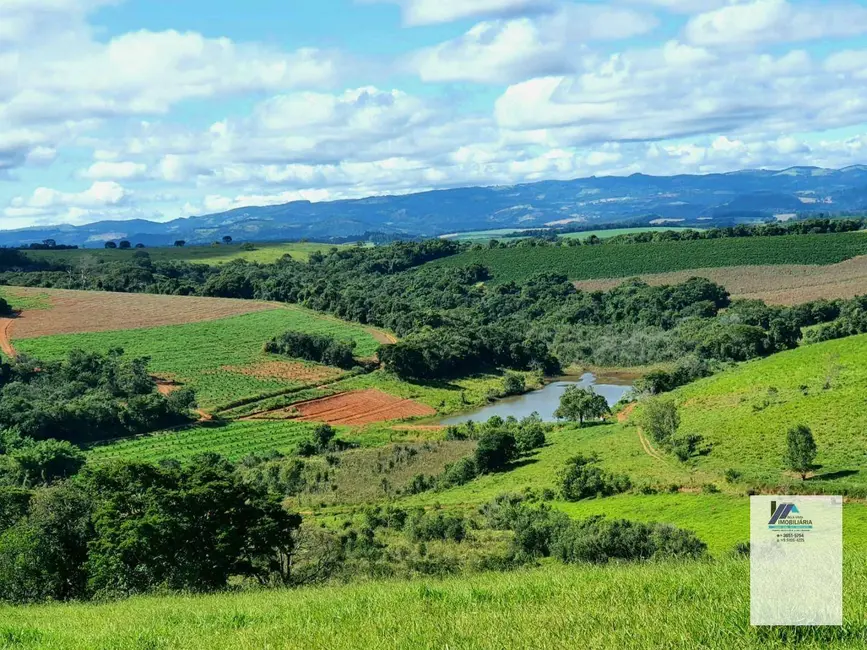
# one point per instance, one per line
(513, 384)
(495, 450)
(660, 419)
(426, 527)
(581, 478)
(321, 348)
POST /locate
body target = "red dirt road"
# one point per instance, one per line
(6, 337)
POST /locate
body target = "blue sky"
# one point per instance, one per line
(158, 109)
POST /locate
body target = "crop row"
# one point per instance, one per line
(625, 260)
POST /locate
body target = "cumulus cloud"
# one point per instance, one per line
(109, 170)
(47, 205)
(766, 21)
(680, 91)
(504, 51)
(430, 12)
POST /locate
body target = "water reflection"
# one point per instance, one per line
(544, 401)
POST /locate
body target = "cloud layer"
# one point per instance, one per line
(123, 124)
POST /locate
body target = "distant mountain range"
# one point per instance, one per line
(696, 200)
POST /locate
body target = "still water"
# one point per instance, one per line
(544, 401)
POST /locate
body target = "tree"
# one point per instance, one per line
(124, 244)
(139, 245)
(800, 450)
(49, 243)
(513, 384)
(578, 404)
(5, 308)
(660, 419)
(227, 240)
(495, 450)
(43, 462)
(110, 244)
(180, 243)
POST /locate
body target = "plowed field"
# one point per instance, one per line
(355, 407)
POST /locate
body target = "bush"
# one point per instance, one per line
(321, 348)
(660, 420)
(598, 541)
(459, 473)
(513, 384)
(426, 527)
(530, 434)
(581, 478)
(495, 450)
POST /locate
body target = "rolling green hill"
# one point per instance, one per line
(263, 252)
(625, 260)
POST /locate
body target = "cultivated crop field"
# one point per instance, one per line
(264, 253)
(627, 260)
(233, 440)
(361, 407)
(679, 606)
(198, 354)
(48, 312)
(786, 284)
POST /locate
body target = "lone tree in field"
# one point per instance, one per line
(660, 420)
(800, 450)
(227, 240)
(124, 244)
(110, 244)
(180, 243)
(578, 404)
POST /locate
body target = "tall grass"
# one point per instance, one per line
(667, 605)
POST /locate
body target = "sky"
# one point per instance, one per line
(159, 109)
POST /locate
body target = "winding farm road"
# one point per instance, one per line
(6, 337)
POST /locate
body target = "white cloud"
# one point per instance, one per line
(680, 91)
(106, 170)
(514, 50)
(46, 205)
(682, 6)
(767, 21)
(430, 12)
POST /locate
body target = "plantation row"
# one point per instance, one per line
(233, 441)
(613, 261)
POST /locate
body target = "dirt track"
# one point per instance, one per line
(6, 338)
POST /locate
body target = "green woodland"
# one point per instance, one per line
(622, 526)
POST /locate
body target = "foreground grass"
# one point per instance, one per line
(626, 260)
(666, 605)
(196, 354)
(264, 253)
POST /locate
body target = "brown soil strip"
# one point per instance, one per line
(784, 284)
(6, 338)
(73, 312)
(288, 370)
(623, 415)
(352, 408)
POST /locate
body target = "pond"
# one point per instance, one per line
(543, 401)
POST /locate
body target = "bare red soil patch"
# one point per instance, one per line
(5, 338)
(361, 407)
(74, 312)
(288, 370)
(352, 408)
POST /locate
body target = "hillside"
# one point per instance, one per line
(697, 200)
(626, 260)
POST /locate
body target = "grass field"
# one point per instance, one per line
(197, 354)
(642, 607)
(786, 284)
(746, 412)
(264, 253)
(627, 260)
